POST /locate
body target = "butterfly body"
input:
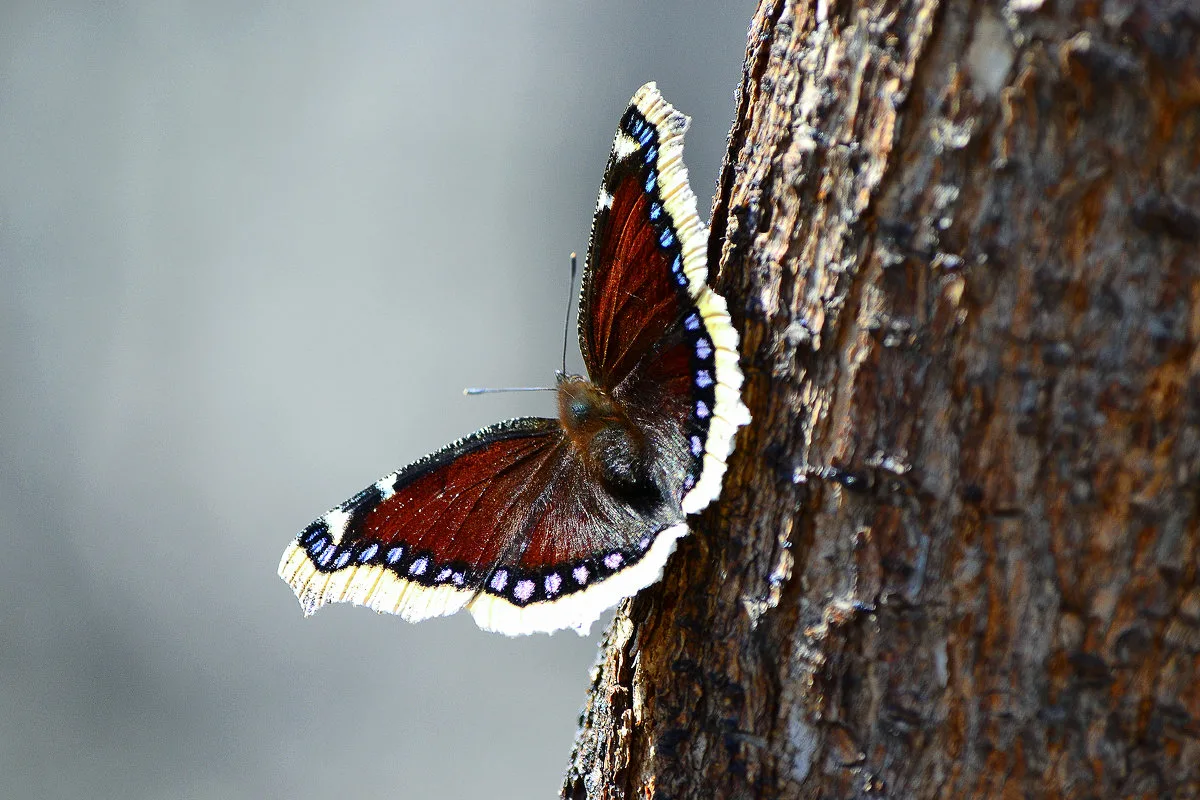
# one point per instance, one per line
(539, 524)
(608, 444)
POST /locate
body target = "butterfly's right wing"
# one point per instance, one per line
(652, 331)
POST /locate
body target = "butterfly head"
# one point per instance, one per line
(582, 406)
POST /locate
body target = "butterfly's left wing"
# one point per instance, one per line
(506, 523)
(652, 331)
(423, 541)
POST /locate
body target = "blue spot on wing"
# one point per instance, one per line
(309, 534)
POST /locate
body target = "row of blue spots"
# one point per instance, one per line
(323, 551)
(315, 541)
(584, 572)
(642, 130)
(311, 533)
(677, 270)
(328, 555)
(703, 380)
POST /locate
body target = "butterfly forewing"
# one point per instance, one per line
(629, 300)
(652, 332)
(442, 524)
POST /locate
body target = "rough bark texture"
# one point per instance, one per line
(962, 244)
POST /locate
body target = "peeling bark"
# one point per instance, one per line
(962, 245)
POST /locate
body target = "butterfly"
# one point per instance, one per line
(534, 525)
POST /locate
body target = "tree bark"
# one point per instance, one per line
(962, 245)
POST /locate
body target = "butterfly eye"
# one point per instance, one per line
(579, 411)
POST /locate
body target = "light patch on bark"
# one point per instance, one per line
(990, 56)
(803, 740)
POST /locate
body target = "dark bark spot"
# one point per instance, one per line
(1159, 214)
(1091, 670)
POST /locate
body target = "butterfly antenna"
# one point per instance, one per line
(566, 332)
(567, 321)
(475, 390)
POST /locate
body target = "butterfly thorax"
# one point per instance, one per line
(610, 445)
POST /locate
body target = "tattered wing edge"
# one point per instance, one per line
(679, 202)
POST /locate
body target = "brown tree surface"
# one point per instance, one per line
(962, 244)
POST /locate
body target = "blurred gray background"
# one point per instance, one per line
(250, 254)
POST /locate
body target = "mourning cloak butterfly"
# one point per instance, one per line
(541, 524)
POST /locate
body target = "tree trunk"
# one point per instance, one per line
(962, 244)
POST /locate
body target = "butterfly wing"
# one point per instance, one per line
(422, 541)
(652, 332)
(505, 523)
(582, 550)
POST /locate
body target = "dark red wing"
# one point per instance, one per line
(634, 286)
(653, 334)
(583, 550)
(422, 541)
(630, 299)
(505, 522)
